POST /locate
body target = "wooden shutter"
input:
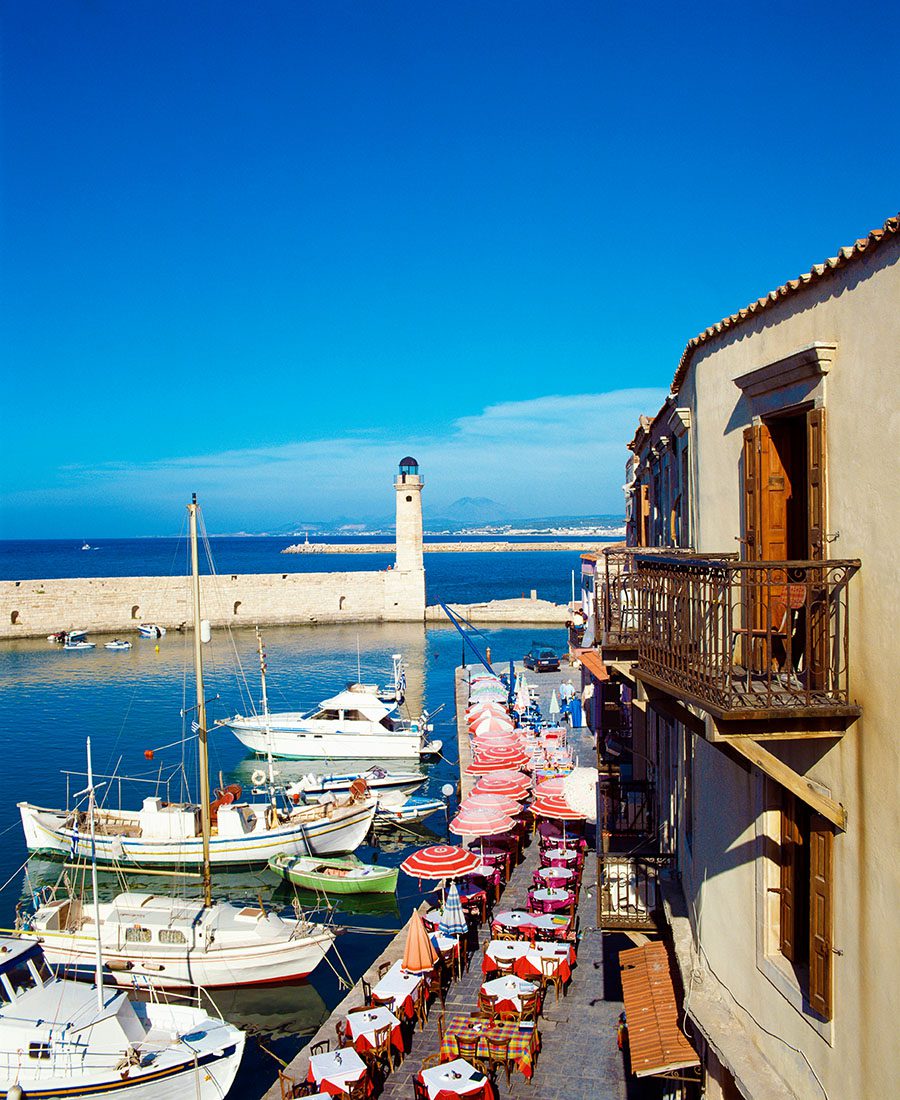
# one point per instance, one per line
(790, 846)
(750, 542)
(815, 481)
(821, 844)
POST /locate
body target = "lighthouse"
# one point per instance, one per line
(408, 486)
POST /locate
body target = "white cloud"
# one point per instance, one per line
(553, 454)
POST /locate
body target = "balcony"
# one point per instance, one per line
(628, 895)
(747, 640)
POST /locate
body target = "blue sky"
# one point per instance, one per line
(261, 251)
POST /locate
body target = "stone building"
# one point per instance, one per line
(750, 632)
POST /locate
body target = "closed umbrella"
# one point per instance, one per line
(419, 956)
(554, 705)
(453, 920)
(523, 699)
(441, 861)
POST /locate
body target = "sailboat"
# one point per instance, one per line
(171, 942)
(96, 1043)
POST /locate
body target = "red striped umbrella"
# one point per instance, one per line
(549, 787)
(479, 821)
(441, 861)
(513, 755)
(510, 783)
(484, 765)
(491, 723)
(500, 802)
(482, 710)
(500, 739)
(556, 807)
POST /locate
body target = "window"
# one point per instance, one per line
(805, 900)
(20, 977)
(38, 1050)
(171, 935)
(136, 934)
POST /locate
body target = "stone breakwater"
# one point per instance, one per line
(579, 546)
(32, 608)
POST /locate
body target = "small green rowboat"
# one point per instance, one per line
(335, 876)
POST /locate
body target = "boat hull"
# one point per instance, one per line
(381, 880)
(297, 744)
(47, 831)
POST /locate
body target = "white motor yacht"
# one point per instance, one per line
(65, 1039)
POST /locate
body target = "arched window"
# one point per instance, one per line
(341, 603)
(14, 618)
(237, 604)
(135, 609)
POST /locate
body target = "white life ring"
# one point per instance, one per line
(258, 777)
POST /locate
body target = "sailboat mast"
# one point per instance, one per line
(265, 704)
(205, 823)
(99, 947)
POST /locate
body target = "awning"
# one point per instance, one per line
(593, 662)
(657, 1045)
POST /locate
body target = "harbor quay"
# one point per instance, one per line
(579, 1056)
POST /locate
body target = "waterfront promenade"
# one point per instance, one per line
(579, 1057)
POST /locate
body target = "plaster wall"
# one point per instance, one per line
(856, 1055)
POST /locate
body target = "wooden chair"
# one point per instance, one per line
(381, 1050)
(356, 1090)
(383, 969)
(467, 1046)
(531, 1008)
(550, 975)
(498, 1053)
(504, 934)
(487, 1005)
(431, 1060)
(340, 1031)
(442, 1024)
(505, 966)
(322, 1047)
(291, 1088)
(420, 1005)
(367, 991)
(420, 1092)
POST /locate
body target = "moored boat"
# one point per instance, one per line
(151, 630)
(117, 645)
(377, 780)
(336, 876)
(413, 809)
(78, 646)
(88, 1043)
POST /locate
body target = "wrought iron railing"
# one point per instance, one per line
(629, 895)
(627, 809)
(618, 605)
(747, 639)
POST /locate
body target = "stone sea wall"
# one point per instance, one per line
(31, 608)
(577, 545)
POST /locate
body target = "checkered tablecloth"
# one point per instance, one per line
(523, 1042)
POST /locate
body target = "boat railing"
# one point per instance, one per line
(161, 781)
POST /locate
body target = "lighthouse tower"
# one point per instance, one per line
(405, 584)
(408, 486)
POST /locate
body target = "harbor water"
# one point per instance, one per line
(130, 702)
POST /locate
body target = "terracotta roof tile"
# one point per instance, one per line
(656, 1042)
(847, 254)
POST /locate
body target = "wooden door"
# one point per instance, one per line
(821, 845)
(817, 610)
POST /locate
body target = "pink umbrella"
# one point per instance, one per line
(500, 802)
(510, 783)
(487, 706)
(484, 765)
(441, 861)
(513, 755)
(480, 821)
(549, 787)
(556, 807)
(491, 723)
(486, 740)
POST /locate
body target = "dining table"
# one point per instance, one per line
(553, 925)
(554, 856)
(508, 991)
(458, 1078)
(554, 876)
(361, 1027)
(552, 898)
(524, 1042)
(526, 957)
(397, 991)
(334, 1070)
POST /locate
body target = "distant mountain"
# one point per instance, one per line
(473, 510)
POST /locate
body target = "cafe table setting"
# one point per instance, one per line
(526, 957)
(530, 925)
(361, 1027)
(397, 991)
(553, 876)
(334, 1070)
(524, 1043)
(508, 991)
(456, 1078)
(550, 899)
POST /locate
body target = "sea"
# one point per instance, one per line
(134, 702)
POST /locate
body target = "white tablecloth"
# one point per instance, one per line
(338, 1067)
(444, 1077)
(509, 988)
(506, 950)
(396, 986)
(555, 872)
(368, 1022)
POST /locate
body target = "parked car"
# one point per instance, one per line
(541, 658)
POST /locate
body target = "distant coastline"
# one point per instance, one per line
(583, 546)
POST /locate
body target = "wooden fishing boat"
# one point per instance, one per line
(335, 876)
